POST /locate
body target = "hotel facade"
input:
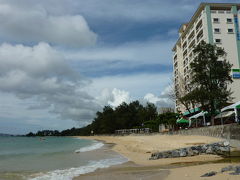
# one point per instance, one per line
(214, 23)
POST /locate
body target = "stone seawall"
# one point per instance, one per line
(228, 131)
(219, 148)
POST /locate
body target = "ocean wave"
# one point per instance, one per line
(69, 174)
(96, 145)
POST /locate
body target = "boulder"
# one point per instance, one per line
(226, 143)
(183, 152)
(212, 173)
(228, 168)
(237, 170)
(175, 153)
(195, 152)
(204, 148)
(190, 152)
(209, 150)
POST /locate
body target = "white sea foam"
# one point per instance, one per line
(69, 174)
(96, 145)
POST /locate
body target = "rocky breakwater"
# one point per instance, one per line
(219, 148)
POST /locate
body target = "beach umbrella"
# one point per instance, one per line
(182, 120)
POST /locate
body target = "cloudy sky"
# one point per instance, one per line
(63, 60)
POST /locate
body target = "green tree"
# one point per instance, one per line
(210, 73)
(168, 118)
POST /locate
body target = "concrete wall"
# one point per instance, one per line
(228, 131)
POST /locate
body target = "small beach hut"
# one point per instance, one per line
(234, 107)
(196, 116)
(182, 122)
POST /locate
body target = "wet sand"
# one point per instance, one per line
(127, 171)
(138, 149)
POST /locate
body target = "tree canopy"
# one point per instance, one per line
(210, 77)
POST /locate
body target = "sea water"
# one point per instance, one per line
(52, 158)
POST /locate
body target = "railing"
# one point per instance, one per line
(133, 131)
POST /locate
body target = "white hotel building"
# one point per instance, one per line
(215, 23)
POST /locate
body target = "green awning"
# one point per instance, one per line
(191, 111)
(182, 120)
(238, 107)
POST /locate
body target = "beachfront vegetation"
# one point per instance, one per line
(210, 76)
(125, 116)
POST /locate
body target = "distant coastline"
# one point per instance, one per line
(2, 134)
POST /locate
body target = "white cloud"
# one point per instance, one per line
(162, 100)
(34, 24)
(158, 100)
(137, 85)
(113, 97)
(119, 96)
(41, 73)
(151, 98)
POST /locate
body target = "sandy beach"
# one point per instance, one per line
(138, 149)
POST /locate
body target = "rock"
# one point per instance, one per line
(226, 143)
(204, 148)
(195, 152)
(224, 149)
(228, 168)
(199, 148)
(167, 154)
(209, 150)
(237, 170)
(190, 152)
(154, 156)
(215, 148)
(183, 153)
(212, 173)
(175, 153)
(233, 173)
(193, 148)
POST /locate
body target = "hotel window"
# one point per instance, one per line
(218, 41)
(230, 31)
(215, 20)
(217, 30)
(229, 20)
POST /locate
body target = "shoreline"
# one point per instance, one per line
(137, 149)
